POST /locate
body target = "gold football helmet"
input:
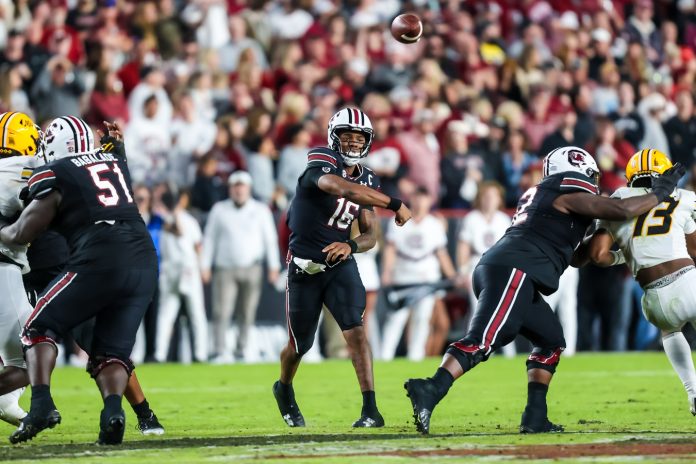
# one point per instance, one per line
(646, 163)
(19, 136)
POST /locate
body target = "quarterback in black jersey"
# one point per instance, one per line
(110, 274)
(331, 193)
(544, 239)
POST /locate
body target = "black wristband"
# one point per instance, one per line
(394, 204)
(353, 246)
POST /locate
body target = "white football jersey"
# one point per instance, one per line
(14, 174)
(416, 244)
(481, 234)
(656, 236)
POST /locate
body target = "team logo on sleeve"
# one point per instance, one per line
(326, 169)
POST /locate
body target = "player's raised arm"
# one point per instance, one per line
(600, 251)
(587, 204)
(363, 195)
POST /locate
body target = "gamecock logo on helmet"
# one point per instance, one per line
(576, 158)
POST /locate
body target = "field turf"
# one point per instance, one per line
(628, 407)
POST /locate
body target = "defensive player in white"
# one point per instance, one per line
(481, 228)
(19, 145)
(658, 247)
(414, 254)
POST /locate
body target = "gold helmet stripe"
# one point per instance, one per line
(651, 152)
(643, 160)
(4, 129)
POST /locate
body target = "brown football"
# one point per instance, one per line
(407, 28)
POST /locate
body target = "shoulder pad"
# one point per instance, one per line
(576, 182)
(42, 182)
(323, 157)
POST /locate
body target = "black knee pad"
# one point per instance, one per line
(545, 358)
(97, 363)
(32, 336)
(468, 355)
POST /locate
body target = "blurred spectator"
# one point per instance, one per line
(208, 188)
(58, 89)
(461, 169)
(651, 109)
(422, 152)
(515, 161)
(107, 102)
(155, 224)
(288, 20)
(12, 95)
(152, 82)
(641, 28)
(681, 130)
(239, 42)
(611, 154)
(239, 235)
(601, 293)
(292, 160)
(414, 254)
(626, 119)
(147, 142)
(180, 278)
(192, 137)
(386, 156)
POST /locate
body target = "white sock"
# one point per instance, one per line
(678, 352)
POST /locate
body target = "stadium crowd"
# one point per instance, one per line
(224, 98)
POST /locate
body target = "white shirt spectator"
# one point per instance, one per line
(481, 234)
(290, 25)
(179, 256)
(137, 98)
(147, 144)
(240, 237)
(190, 139)
(416, 244)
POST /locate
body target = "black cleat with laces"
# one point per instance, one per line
(34, 423)
(424, 397)
(537, 422)
(368, 420)
(150, 425)
(288, 407)
(112, 428)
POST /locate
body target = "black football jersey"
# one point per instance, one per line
(542, 239)
(316, 218)
(97, 214)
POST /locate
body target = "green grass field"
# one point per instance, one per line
(628, 407)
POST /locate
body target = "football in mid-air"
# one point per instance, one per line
(407, 28)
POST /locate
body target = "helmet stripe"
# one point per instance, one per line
(644, 160)
(76, 139)
(81, 131)
(350, 116)
(89, 142)
(5, 128)
(362, 118)
(356, 115)
(650, 158)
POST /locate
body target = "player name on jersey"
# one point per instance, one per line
(91, 158)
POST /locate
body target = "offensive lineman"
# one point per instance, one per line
(331, 193)
(48, 254)
(527, 262)
(660, 257)
(111, 274)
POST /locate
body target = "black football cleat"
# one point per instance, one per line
(111, 429)
(424, 397)
(150, 425)
(288, 407)
(535, 423)
(32, 424)
(369, 420)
